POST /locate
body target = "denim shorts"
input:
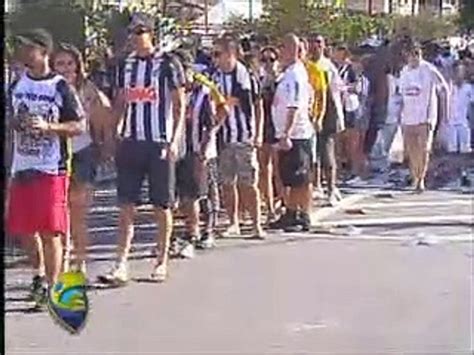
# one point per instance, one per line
(84, 165)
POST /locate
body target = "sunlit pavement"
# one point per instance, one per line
(386, 272)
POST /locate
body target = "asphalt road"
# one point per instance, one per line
(390, 274)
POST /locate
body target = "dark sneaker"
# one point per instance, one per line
(175, 247)
(207, 241)
(41, 297)
(36, 286)
(465, 181)
(301, 224)
(285, 221)
(304, 221)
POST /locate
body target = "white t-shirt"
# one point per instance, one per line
(52, 100)
(293, 91)
(418, 88)
(394, 99)
(460, 98)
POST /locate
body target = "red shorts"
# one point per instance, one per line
(38, 205)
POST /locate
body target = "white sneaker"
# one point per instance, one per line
(79, 267)
(187, 250)
(356, 181)
(232, 231)
(159, 273)
(117, 275)
(335, 197)
(319, 194)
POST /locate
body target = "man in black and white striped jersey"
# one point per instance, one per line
(150, 112)
(240, 134)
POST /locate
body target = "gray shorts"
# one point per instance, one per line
(238, 163)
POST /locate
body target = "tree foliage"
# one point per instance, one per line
(339, 24)
(467, 14)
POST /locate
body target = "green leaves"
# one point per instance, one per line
(343, 25)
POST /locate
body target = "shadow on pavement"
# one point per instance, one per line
(23, 310)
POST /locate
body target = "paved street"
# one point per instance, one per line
(387, 272)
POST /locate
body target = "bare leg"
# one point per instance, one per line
(164, 219)
(53, 256)
(34, 247)
(191, 210)
(253, 197)
(79, 200)
(231, 201)
(126, 231)
(266, 177)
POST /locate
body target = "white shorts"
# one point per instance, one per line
(457, 138)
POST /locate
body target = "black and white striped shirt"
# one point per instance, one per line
(239, 127)
(199, 118)
(148, 84)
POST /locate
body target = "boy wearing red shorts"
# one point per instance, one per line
(45, 111)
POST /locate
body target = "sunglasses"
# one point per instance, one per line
(217, 54)
(268, 60)
(140, 31)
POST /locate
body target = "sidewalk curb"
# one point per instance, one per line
(316, 219)
(321, 213)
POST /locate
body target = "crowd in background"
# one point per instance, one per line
(258, 128)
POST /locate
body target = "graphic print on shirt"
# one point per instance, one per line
(413, 90)
(51, 100)
(148, 84)
(33, 143)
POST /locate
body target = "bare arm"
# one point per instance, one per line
(67, 129)
(443, 90)
(290, 120)
(118, 110)
(178, 99)
(260, 118)
(103, 124)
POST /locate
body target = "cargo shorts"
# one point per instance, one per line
(238, 163)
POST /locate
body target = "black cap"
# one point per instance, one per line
(141, 19)
(37, 37)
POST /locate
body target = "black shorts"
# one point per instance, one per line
(295, 165)
(137, 161)
(191, 178)
(84, 165)
(350, 119)
(326, 148)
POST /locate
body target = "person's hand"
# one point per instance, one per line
(319, 125)
(232, 101)
(258, 141)
(285, 143)
(38, 125)
(172, 152)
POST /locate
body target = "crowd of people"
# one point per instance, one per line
(260, 131)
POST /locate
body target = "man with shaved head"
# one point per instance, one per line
(294, 129)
